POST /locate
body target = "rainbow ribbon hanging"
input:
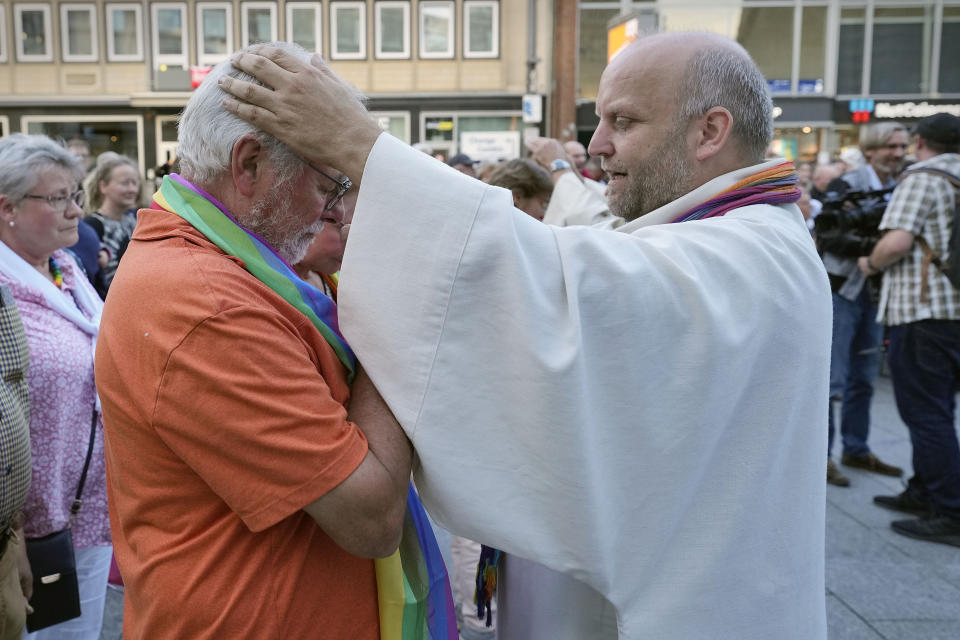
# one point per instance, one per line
(413, 590)
(412, 585)
(776, 185)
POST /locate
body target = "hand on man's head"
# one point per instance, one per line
(306, 106)
(543, 151)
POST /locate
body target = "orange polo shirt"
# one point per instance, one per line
(224, 416)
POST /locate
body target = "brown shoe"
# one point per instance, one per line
(870, 462)
(834, 476)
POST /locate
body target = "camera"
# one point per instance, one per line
(848, 225)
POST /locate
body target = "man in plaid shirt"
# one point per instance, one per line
(922, 310)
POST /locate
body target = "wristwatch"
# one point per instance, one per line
(559, 165)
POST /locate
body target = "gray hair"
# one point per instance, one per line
(207, 132)
(875, 135)
(23, 157)
(724, 75)
(106, 163)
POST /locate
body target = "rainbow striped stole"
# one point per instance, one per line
(210, 218)
(776, 185)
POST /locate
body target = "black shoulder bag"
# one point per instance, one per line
(56, 593)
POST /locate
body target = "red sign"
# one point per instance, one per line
(197, 74)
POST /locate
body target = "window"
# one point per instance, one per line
(303, 25)
(949, 76)
(813, 50)
(396, 123)
(391, 29)
(120, 133)
(348, 30)
(850, 52)
(258, 22)
(900, 59)
(214, 32)
(124, 29)
(32, 32)
(481, 29)
(169, 35)
(436, 29)
(4, 120)
(3, 34)
(78, 32)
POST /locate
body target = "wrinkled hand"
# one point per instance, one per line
(309, 108)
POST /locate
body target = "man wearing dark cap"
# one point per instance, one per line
(921, 307)
(464, 164)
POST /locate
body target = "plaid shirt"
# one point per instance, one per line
(14, 411)
(922, 204)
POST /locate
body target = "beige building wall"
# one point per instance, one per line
(506, 73)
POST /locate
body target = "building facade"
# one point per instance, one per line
(117, 73)
(830, 64)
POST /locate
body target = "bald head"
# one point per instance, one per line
(577, 152)
(715, 72)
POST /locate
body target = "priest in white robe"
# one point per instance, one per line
(637, 408)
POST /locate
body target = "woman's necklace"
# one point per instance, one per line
(57, 274)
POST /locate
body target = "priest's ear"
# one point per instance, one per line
(249, 164)
(711, 132)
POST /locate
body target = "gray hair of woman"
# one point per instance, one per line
(207, 132)
(23, 157)
(523, 176)
(106, 163)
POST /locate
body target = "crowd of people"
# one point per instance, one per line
(587, 360)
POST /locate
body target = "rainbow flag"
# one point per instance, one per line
(412, 585)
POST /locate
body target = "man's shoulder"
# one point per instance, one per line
(192, 277)
(948, 162)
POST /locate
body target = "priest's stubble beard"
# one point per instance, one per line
(273, 219)
(661, 179)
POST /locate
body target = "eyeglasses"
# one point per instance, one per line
(343, 185)
(61, 203)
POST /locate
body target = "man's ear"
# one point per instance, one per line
(712, 131)
(247, 164)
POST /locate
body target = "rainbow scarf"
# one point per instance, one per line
(413, 591)
(210, 217)
(776, 185)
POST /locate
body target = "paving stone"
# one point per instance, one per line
(892, 591)
(844, 624)
(919, 629)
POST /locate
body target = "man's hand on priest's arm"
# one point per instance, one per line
(364, 513)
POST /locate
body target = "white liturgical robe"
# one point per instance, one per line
(640, 409)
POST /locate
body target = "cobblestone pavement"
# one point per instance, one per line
(880, 585)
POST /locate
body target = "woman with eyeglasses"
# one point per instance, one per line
(39, 212)
(113, 191)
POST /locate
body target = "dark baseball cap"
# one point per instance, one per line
(941, 128)
(460, 158)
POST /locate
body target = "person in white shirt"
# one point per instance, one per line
(617, 406)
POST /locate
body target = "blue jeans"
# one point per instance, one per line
(854, 364)
(925, 368)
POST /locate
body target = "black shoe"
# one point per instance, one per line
(942, 529)
(906, 502)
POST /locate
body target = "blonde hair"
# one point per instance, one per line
(106, 163)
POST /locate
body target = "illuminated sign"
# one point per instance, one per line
(913, 109)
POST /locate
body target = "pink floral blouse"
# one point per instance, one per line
(62, 395)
